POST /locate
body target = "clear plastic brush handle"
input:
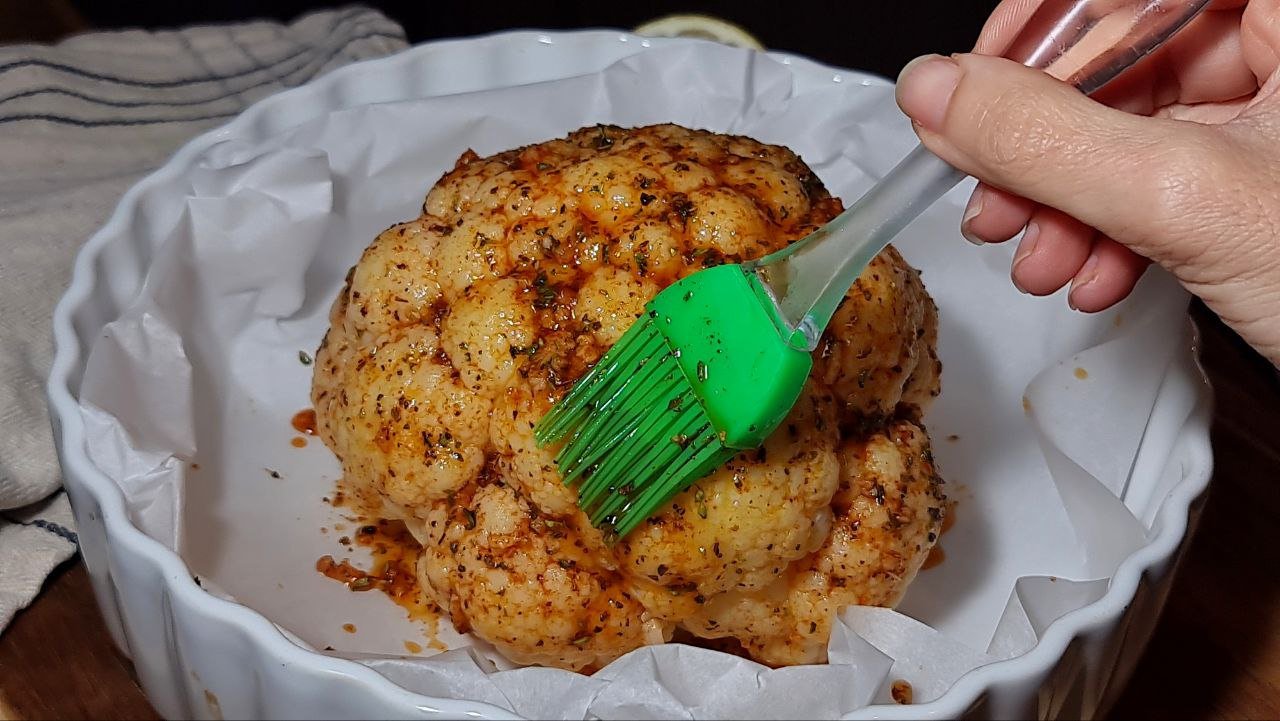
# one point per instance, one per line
(1086, 43)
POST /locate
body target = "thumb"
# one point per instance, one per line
(1133, 178)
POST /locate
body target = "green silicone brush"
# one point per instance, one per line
(720, 357)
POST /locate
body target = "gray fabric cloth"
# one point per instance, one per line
(80, 122)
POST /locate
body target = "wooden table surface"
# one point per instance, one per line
(1215, 654)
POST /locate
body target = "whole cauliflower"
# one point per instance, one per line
(458, 330)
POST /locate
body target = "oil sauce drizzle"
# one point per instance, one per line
(395, 555)
(304, 421)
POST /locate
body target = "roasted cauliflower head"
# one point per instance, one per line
(458, 330)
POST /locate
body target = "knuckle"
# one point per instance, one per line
(1189, 176)
(1211, 199)
(1017, 131)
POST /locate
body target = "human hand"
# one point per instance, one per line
(1101, 188)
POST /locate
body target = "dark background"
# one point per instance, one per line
(862, 34)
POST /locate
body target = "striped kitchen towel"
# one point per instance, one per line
(80, 122)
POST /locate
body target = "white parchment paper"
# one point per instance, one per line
(187, 396)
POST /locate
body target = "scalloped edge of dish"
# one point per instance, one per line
(344, 87)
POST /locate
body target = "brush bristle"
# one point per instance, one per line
(635, 433)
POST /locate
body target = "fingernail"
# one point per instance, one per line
(1026, 247)
(1087, 275)
(925, 87)
(971, 211)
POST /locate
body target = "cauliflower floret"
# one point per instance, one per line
(783, 194)
(887, 516)
(740, 527)
(470, 253)
(395, 282)
(728, 221)
(485, 330)
(417, 433)
(611, 300)
(533, 589)
(521, 462)
(864, 357)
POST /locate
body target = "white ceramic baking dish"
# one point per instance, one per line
(201, 656)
